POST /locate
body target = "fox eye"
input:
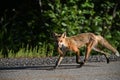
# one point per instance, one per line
(60, 40)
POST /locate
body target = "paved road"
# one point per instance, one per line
(90, 71)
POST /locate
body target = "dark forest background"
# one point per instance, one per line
(26, 26)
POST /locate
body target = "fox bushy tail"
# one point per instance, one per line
(106, 44)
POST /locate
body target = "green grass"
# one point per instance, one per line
(41, 51)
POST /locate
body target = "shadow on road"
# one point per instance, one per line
(28, 68)
(45, 67)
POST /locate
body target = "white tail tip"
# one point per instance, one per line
(117, 54)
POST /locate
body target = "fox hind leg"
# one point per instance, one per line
(88, 50)
(104, 53)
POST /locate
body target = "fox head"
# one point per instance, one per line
(61, 40)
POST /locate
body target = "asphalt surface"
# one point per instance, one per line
(70, 71)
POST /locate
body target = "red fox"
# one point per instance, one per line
(73, 43)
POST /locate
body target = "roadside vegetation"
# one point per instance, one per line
(26, 27)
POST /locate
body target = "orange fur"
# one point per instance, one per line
(73, 43)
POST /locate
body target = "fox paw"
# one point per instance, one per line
(108, 61)
(81, 64)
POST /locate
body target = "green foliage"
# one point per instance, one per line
(76, 16)
(26, 28)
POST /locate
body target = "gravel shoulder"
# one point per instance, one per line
(24, 69)
(24, 62)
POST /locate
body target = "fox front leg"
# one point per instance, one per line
(58, 61)
(60, 58)
(78, 59)
(77, 51)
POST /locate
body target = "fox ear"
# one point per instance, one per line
(55, 34)
(63, 35)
